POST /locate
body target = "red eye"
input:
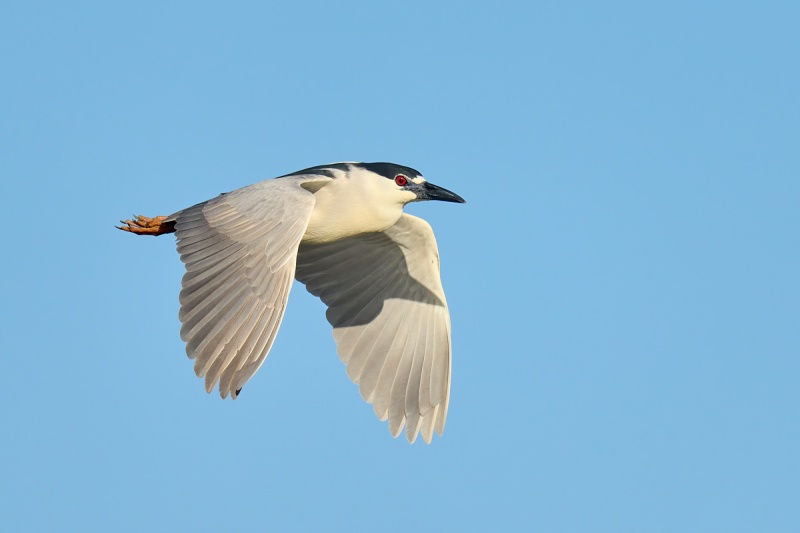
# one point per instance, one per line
(401, 180)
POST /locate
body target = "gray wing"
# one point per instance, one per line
(390, 320)
(239, 250)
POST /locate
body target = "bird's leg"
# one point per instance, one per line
(142, 225)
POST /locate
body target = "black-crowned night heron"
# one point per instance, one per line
(340, 230)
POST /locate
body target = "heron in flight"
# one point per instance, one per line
(340, 230)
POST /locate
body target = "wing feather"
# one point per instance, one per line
(412, 406)
(234, 338)
(390, 320)
(397, 404)
(239, 251)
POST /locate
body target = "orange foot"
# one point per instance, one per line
(142, 225)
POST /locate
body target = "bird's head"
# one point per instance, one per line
(403, 184)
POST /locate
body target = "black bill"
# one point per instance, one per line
(429, 191)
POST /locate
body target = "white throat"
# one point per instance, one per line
(354, 203)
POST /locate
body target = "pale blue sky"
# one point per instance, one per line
(623, 282)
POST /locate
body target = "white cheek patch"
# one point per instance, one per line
(411, 196)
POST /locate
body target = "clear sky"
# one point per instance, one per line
(623, 281)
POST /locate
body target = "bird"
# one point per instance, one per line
(340, 230)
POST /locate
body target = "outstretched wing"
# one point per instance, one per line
(390, 320)
(239, 250)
